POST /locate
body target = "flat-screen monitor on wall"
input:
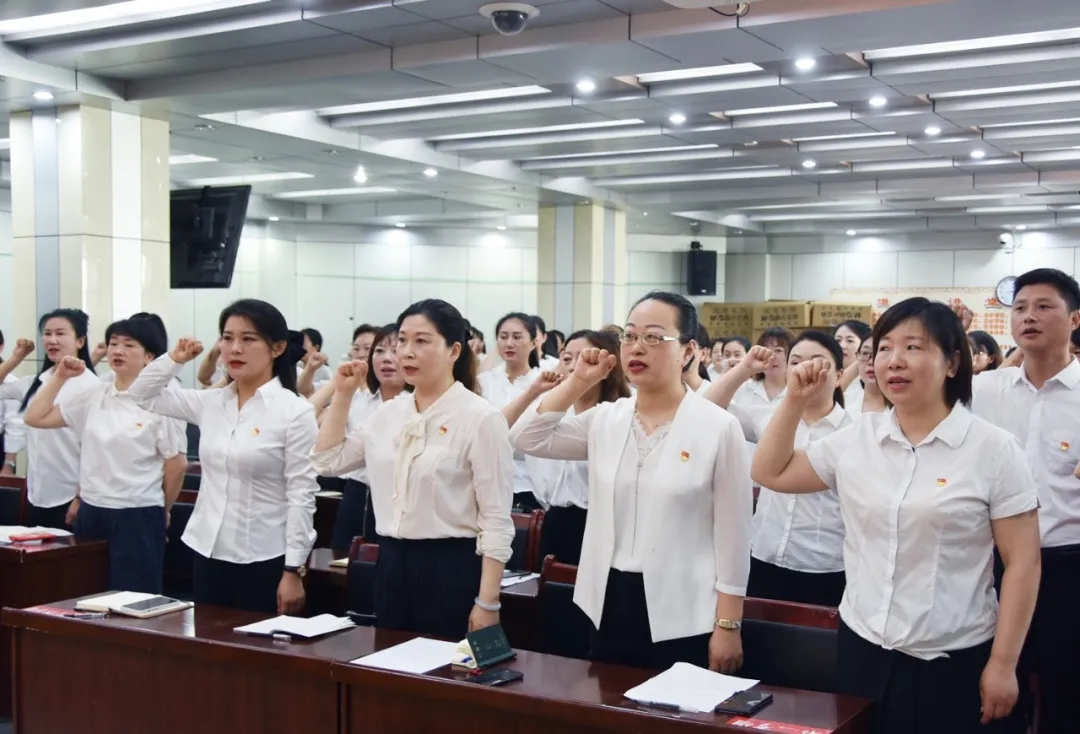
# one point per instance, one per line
(205, 227)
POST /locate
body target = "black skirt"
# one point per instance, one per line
(915, 696)
(427, 586)
(769, 581)
(625, 637)
(562, 534)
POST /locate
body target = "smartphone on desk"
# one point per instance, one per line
(744, 703)
(498, 677)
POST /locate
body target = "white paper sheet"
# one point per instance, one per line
(515, 580)
(419, 655)
(689, 687)
(318, 626)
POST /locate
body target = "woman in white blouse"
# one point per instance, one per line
(767, 388)
(870, 398)
(666, 553)
(252, 528)
(516, 339)
(132, 461)
(850, 335)
(384, 382)
(926, 490)
(563, 486)
(440, 469)
(798, 540)
(52, 473)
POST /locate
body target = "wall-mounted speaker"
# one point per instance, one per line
(700, 271)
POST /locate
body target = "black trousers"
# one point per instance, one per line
(769, 581)
(914, 696)
(427, 586)
(562, 534)
(136, 537)
(625, 637)
(250, 586)
(1053, 644)
(47, 517)
(354, 518)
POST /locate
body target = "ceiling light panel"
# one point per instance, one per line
(537, 130)
(703, 72)
(780, 109)
(253, 178)
(432, 101)
(317, 193)
(600, 154)
(976, 44)
(1005, 90)
(110, 16)
(189, 158)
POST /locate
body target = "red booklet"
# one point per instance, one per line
(30, 537)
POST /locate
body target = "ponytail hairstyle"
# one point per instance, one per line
(833, 347)
(454, 329)
(687, 321)
(529, 322)
(80, 324)
(271, 326)
(703, 342)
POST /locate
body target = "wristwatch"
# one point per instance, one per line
(727, 624)
(300, 571)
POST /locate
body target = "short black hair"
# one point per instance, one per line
(702, 337)
(387, 332)
(148, 332)
(1061, 281)
(314, 337)
(945, 330)
(1076, 338)
(860, 329)
(364, 329)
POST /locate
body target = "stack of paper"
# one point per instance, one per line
(323, 624)
(419, 655)
(689, 687)
(513, 580)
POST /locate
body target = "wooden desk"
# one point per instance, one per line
(39, 574)
(557, 694)
(174, 674)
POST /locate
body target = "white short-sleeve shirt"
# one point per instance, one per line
(918, 548)
(1047, 423)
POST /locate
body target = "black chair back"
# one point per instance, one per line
(360, 585)
(789, 655)
(10, 506)
(564, 628)
(179, 558)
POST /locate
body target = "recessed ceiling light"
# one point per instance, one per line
(501, 228)
(750, 143)
(360, 176)
(809, 163)
(1021, 227)
(400, 225)
(851, 233)
(43, 96)
(977, 154)
(275, 219)
(586, 85)
(430, 172)
(878, 101)
(805, 63)
(677, 119)
(644, 214)
(933, 130)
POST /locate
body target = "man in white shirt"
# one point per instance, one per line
(1039, 403)
(313, 343)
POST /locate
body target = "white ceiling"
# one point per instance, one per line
(269, 86)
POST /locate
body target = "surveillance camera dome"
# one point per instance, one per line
(509, 19)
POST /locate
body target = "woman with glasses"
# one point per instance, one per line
(869, 399)
(666, 552)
